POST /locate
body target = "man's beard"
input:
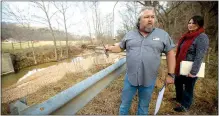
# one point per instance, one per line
(148, 29)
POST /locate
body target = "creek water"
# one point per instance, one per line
(10, 79)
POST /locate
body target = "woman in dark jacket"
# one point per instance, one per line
(191, 47)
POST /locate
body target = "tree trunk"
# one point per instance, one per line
(61, 48)
(51, 30)
(28, 44)
(12, 45)
(91, 39)
(66, 36)
(167, 27)
(34, 57)
(216, 43)
(20, 45)
(208, 55)
(175, 22)
(54, 39)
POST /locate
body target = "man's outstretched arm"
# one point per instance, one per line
(115, 48)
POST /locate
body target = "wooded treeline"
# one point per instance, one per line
(10, 30)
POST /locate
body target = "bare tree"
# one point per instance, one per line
(62, 7)
(96, 19)
(148, 3)
(209, 10)
(85, 9)
(45, 8)
(13, 16)
(164, 13)
(24, 21)
(129, 16)
(113, 21)
(60, 42)
(102, 24)
(107, 26)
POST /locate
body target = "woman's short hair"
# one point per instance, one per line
(199, 20)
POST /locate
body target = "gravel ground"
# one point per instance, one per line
(107, 102)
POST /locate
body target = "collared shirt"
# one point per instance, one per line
(143, 55)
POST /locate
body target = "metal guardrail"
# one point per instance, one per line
(62, 102)
(78, 102)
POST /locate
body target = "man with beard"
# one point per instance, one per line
(144, 46)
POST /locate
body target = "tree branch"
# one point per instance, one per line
(141, 3)
(53, 14)
(161, 7)
(35, 16)
(160, 15)
(40, 22)
(179, 3)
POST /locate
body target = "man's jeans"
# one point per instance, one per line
(128, 92)
(184, 90)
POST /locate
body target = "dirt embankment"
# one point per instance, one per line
(44, 54)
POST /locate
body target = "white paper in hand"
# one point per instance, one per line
(159, 100)
(186, 66)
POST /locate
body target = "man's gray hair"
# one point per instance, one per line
(142, 12)
(145, 8)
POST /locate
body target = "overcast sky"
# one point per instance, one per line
(75, 12)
